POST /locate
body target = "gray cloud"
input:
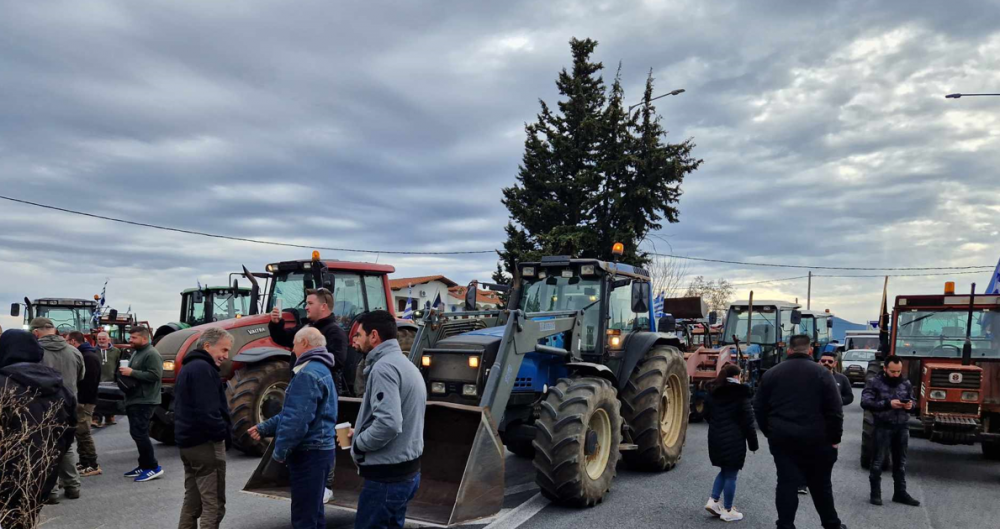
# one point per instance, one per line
(823, 126)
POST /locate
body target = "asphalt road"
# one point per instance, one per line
(958, 487)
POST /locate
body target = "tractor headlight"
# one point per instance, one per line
(938, 394)
(614, 339)
(438, 387)
(271, 268)
(474, 361)
(425, 361)
(528, 271)
(587, 270)
(469, 390)
(970, 395)
(168, 365)
(567, 273)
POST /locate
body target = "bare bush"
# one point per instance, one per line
(28, 455)
(718, 294)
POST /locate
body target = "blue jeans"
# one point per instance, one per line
(725, 482)
(307, 471)
(383, 505)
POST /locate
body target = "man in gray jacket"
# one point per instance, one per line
(68, 361)
(389, 436)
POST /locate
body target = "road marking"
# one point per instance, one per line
(517, 516)
(518, 489)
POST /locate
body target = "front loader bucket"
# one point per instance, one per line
(462, 469)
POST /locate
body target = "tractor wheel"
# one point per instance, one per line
(655, 406)
(405, 338)
(255, 393)
(576, 444)
(699, 405)
(522, 449)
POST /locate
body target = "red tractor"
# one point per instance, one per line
(950, 347)
(257, 371)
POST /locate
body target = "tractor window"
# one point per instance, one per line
(942, 334)
(197, 312)
(348, 297)
(561, 293)
(762, 324)
(290, 289)
(620, 315)
(375, 292)
(226, 306)
(862, 342)
(66, 319)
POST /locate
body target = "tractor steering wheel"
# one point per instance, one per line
(939, 349)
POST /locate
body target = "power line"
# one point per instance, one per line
(808, 267)
(240, 239)
(768, 281)
(781, 280)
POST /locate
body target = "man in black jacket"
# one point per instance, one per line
(319, 313)
(202, 428)
(829, 361)
(889, 396)
(86, 402)
(39, 388)
(798, 408)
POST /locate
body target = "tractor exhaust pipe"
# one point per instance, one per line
(967, 347)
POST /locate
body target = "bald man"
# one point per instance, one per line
(109, 355)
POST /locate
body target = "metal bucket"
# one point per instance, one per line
(462, 468)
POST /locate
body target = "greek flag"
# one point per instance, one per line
(96, 316)
(658, 305)
(437, 302)
(994, 286)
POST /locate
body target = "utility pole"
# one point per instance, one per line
(809, 292)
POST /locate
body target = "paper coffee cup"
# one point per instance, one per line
(123, 363)
(343, 441)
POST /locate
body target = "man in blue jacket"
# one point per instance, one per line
(889, 396)
(305, 430)
(202, 429)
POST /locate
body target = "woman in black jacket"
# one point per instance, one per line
(730, 430)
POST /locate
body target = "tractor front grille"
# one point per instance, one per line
(961, 408)
(456, 327)
(941, 378)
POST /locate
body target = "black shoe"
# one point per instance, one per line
(52, 500)
(73, 493)
(904, 498)
(876, 498)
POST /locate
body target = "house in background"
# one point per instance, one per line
(422, 289)
(485, 299)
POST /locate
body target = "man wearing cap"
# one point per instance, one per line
(65, 359)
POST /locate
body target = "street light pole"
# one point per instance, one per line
(956, 96)
(670, 93)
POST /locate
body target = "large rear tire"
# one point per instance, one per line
(576, 441)
(655, 404)
(255, 393)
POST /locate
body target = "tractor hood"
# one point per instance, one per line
(244, 330)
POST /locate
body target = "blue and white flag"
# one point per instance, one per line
(437, 302)
(96, 316)
(994, 286)
(658, 305)
(411, 305)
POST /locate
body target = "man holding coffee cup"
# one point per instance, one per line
(145, 368)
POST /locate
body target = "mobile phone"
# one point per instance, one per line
(277, 304)
(904, 401)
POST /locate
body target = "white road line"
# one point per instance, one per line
(518, 489)
(524, 512)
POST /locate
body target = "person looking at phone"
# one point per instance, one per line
(889, 396)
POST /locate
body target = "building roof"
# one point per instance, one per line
(404, 282)
(489, 297)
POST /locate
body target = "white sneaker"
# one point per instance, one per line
(714, 508)
(732, 515)
(327, 495)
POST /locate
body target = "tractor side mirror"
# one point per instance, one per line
(113, 315)
(15, 310)
(640, 297)
(713, 318)
(829, 323)
(667, 323)
(796, 318)
(236, 286)
(198, 296)
(470, 297)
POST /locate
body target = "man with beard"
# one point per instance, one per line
(889, 396)
(829, 361)
(86, 402)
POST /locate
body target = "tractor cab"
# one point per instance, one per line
(208, 304)
(761, 328)
(818, 326)
(67, 314)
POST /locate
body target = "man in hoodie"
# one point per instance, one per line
(41, 389)
(109, 355)
(145, 368)
(65, 359)
(305, 430)
(389, 436)
(202, 430)
(889, 396)
(86, 401)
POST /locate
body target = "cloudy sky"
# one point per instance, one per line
(823, 126)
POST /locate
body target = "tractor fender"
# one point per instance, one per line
(259, 354)
(168, 328)
(593, 370)
(637, 344)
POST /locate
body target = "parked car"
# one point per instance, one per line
(856, 364)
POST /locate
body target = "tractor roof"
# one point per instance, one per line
(65, 302)
(784, 305)
(243, 290)
(333, 265)
(560, 261)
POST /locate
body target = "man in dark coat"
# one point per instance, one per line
(319, 313)
(86, 402)
(731, 430)
(889, 396)
(829, 361)
(202, 429)
(798, 409)
(23, 376)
